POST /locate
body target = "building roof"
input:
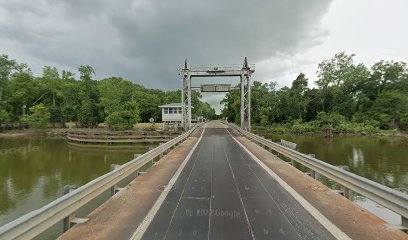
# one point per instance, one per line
(170, 105)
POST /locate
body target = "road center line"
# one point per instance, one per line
(141, 229)
(240, 196)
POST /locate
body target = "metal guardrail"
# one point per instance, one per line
(37, 221)
(383, 195)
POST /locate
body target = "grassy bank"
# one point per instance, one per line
(344, 128)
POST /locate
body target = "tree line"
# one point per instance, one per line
(58, 97)
(348, 97)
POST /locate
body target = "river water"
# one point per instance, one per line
(381, 159)
(33, 171)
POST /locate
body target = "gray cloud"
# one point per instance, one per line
(147, 40)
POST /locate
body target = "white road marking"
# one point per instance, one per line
(211, 194)
(240, 196)
(138, 234)
(326, 223)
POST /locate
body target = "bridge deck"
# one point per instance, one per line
(222, 193)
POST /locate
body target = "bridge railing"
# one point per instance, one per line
(387, 197)
(37, 221)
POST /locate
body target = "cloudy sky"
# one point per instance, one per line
(145, 41)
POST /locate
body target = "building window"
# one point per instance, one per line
(166, 110)
(170, 110)
(179, 110)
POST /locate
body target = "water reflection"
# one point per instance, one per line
(34, 171)
(357, 159)
(383, 160)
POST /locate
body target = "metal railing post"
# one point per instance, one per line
(404, 221)
(313, 174)
(114, 188)
(345, 190)
(161, 154)
(68, 220)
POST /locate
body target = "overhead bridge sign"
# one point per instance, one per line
(215, 88)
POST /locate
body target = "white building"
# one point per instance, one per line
(171, 112)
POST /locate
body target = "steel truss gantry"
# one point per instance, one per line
(243, 72)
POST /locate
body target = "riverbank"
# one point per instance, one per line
(52, 132)
(63, 132)
(316, 132)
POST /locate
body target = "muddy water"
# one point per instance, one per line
(33, 172)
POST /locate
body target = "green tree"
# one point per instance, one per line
(22, 91)
(259, 92)
(6, 67)
(9, 67)
(114, 92)
(232, 105)
(386, 75)
(205, 110)
(338, 81)
(86, 72)
(124, 119)
(89, 113)
(313, 104)
(4, 116)
(172, 97)
(39, 116)
(391, 110)
(52, 93)
(87, 101)
(297, 109)
(264, 104)
(328, 122)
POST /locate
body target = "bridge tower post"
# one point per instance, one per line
(242, 113)
(186, 97)
(246, 96)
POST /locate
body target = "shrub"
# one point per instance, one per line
(124, 119)
(299, 127)
(279, 128)
(39, 117)
(4, 116)
(353, 127)
(119, 121)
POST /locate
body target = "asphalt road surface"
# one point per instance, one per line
(222, 193)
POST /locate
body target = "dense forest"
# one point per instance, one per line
(58, 97)
(348, 97)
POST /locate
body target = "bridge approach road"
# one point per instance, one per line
(223, 193)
